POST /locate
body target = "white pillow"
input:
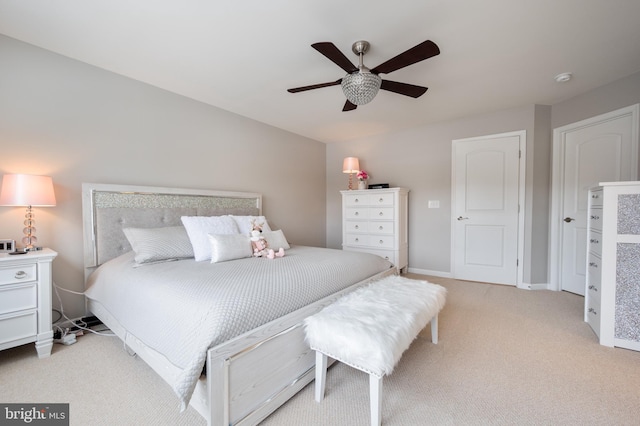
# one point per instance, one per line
(229, 247)
(199, 227)
(159, 244)
(245, 226)
(276, 239)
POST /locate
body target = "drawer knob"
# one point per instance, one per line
(357, 239)
(381, 242)
(595, 217)
(20, 275)
(595, 196)
(592, 311)
(357, 227)
(593, 287)
(380, 227)
(381, 214)
(356, 213)
(594, 241)
(593, 264)
(386, 257)
(381, 200)
(356, 200)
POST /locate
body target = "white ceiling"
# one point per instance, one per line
(242, 55)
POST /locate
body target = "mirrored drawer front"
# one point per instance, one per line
(18, 326)
(18, 297)
(380, 227)
(595, 242)
(595, 219)
(356, 226)
(596, 198)
(18, 274)
(374, 241)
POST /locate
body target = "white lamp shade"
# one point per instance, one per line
(27, 190)
(350, 165)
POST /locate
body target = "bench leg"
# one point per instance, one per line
(321, 375)
(434, 329)
(375, 395)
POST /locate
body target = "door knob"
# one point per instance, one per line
(568, 219)
(462, 218)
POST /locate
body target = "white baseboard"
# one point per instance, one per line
(440, 274)
(526, 286)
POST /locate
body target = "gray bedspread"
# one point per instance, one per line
(182, 308)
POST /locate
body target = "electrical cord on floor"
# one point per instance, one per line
(65, 332)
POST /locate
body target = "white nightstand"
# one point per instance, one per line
(25, 300)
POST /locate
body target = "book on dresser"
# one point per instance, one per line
(376, 221)
(612, 293)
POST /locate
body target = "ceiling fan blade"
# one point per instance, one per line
(314, 86)
(403, 88)
(424, 50)
(348, 106)
(330, 50)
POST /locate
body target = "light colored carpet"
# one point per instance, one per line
(504, 357)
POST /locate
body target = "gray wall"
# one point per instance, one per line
(77, 123)
(420, 159)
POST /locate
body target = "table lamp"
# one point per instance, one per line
(350, 165)
(30, 191)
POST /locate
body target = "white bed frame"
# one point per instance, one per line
(248, 377)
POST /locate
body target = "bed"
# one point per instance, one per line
(239, 318)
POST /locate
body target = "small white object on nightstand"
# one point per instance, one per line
(25, 300)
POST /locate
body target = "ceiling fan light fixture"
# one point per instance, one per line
(361, 87)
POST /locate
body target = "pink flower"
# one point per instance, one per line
(362, 175)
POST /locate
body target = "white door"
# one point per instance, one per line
(486, 181)
(595, 150)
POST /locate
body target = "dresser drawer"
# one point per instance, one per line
(381, 227)
(18, 274)
(357, 226)
(357, 213)
(382, 241)
(594, 267)
(595, 242)
(596, 198)
(357, 240)
(593, 314)
(389, 255)
(18, 326)
(381, 213)
(354, 200)
(595, 219)
(383, 199)
(18, 297)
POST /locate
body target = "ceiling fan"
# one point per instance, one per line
(361, 84)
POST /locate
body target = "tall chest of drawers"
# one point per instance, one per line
(376, 221)
(612, 293)
(25, 300)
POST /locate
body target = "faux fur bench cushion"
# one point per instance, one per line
(370, 328)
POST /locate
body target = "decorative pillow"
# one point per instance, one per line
(199, 227)
(229, 247)
(244, 223)
(276, 239)
(159, 244)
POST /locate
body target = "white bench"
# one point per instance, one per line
(369, 329)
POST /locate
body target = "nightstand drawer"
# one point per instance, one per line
(595, 219)
(18, 274)
(18, 326)
(18, 297)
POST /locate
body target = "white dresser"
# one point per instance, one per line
(375, 221)
(25, 300)
(612, 293)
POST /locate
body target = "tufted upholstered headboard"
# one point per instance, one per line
(107, 209)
